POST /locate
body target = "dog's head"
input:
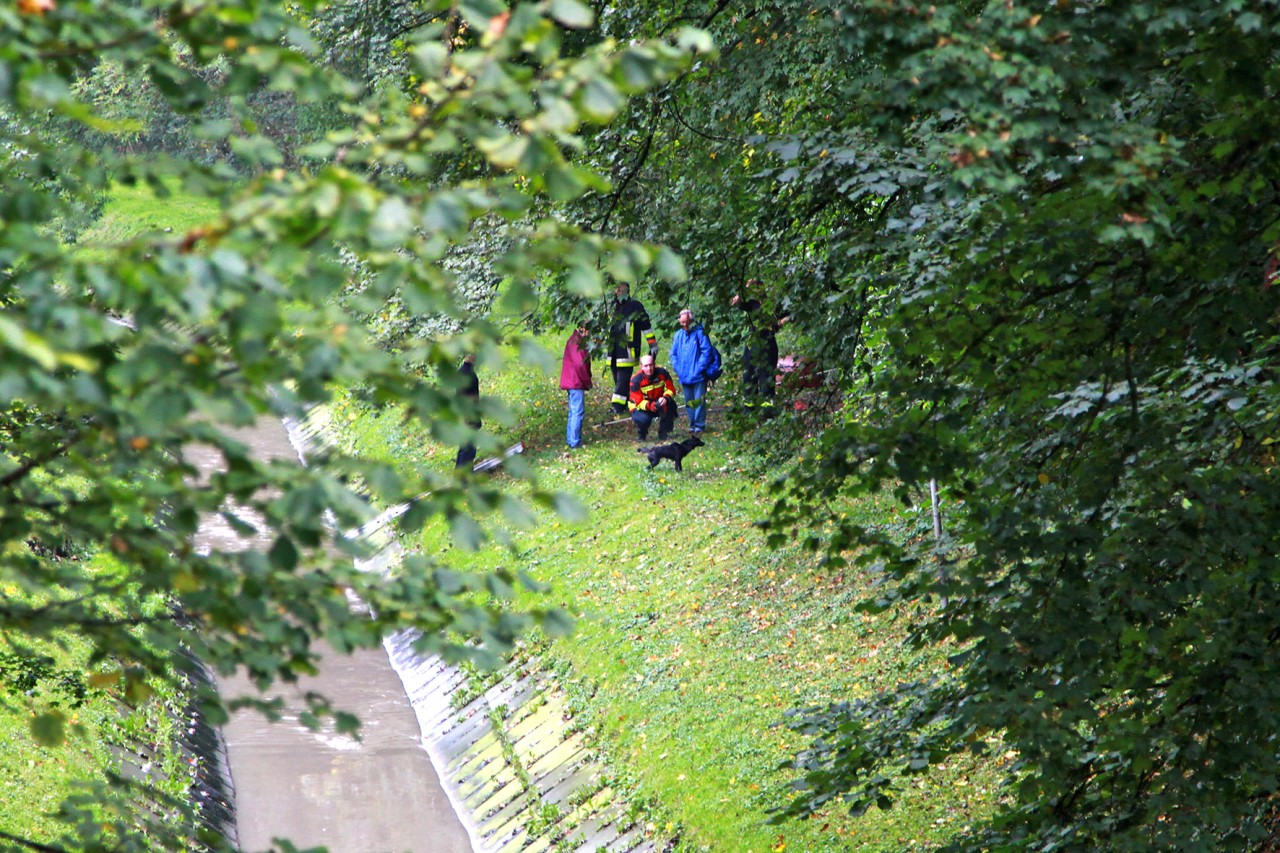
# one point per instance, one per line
(693, 441)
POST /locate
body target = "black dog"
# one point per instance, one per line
(676, 451)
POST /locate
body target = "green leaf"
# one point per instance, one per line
(517, 297)
(556, 623)
(669, 266)
(629, 262)
(391, 223)
(694, 40)
(346, 723)
(585, 281)
(564, 183)
(1249, 22)
(466, 533)
(429, 58)
(517, 513)
(639, 69)
(533, 355)
(283, 555)
(478, 13)
(258, 151)
(600, 100)
(27, 344)
(446, 213)
(505, 151)
(572, 14)
(49, 728)
(499, 587)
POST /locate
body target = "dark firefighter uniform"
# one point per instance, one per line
(643, 400)
(631, 328)
(759, 357)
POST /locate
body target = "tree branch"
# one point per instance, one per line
(675, 112)
(134, 36)
(32, 464)
(641, 159)
(414, 24)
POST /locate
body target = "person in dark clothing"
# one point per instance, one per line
(652, 397)
(470, 388)
(760, 355)
(629, 329)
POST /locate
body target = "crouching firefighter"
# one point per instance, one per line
(653, 397)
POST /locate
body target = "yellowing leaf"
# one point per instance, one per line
(99, 680)
(49, 729)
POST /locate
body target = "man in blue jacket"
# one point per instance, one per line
(691, 360)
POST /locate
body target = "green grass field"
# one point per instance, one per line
(33, 778)
(135, 210)
(693, 638)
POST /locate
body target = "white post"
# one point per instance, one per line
(937, 516)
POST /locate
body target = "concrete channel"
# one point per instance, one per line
(443, 764)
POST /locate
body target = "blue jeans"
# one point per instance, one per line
(696, 392)
(577, 406)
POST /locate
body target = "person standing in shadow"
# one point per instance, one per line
(470, 388)
(760, 355)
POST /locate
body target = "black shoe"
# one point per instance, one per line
(642, 436)
(662, 436)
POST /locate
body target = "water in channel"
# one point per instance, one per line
(379, 794)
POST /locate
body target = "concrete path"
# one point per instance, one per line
(380, 794)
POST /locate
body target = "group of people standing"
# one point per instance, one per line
(649, 392)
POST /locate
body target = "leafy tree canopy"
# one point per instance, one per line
(114, 358)
(1060, 288)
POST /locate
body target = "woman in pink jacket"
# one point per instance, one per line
(575, 377)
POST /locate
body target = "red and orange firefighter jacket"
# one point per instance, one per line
(646, 391)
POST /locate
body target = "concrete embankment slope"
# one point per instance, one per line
(522, 773)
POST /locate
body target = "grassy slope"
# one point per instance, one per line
(693, 638)
(134, 210)
(35, 779)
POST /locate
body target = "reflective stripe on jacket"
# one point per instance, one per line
(647, 390)
(630, 327)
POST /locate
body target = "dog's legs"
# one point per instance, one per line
(679, 467)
